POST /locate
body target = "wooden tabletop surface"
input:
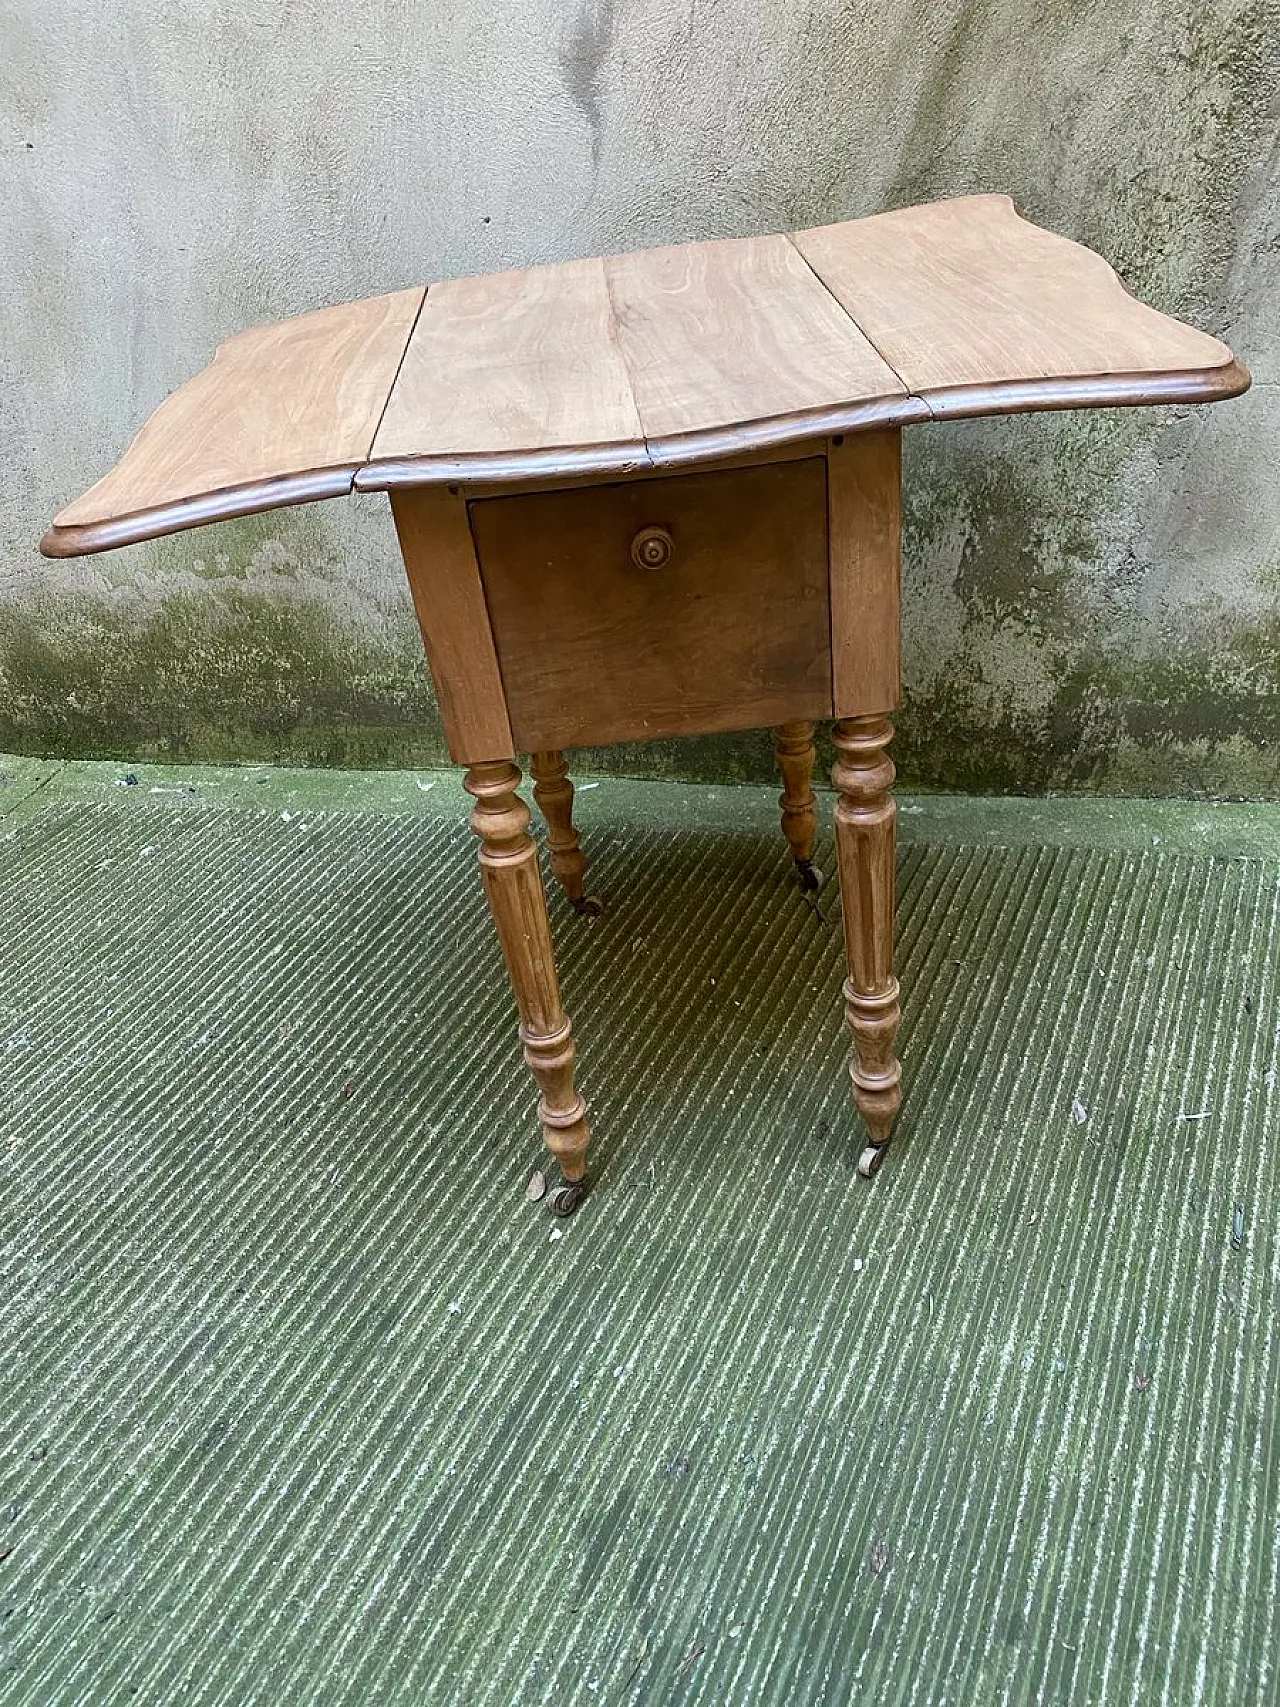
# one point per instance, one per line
(658, 358)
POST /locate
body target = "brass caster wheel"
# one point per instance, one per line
(565, 1198)
(811, 879)
(870, 1159)
(588, 907)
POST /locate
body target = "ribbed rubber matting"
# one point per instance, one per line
(304, 1403)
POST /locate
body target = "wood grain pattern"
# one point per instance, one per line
(514, 365)
(282, 414)
(866, 821)
(963, 297)
(444, 578)
(722, 335)
(662, 358)
(733, 633)
(864, 485)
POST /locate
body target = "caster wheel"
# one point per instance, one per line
(870, 1159)
(588, 907)
(811, 879)
(565, 1198)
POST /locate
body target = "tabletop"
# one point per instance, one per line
(657, 358)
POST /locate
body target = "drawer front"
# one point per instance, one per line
(660, 607)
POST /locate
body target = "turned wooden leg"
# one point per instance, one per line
(865, 819)
(554, 794)
(513, 884)
(795, 753)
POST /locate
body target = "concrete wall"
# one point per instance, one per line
(1091, 601)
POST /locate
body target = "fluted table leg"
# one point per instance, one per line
(866, 816)
(518, 902)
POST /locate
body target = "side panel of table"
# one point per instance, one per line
(448, 597)
(864, 480)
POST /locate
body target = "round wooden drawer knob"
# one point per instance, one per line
(652, 548)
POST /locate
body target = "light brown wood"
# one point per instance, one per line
(866, 816)
(444, 579)
(964, 298)
(518, 902)
(733, 633)
(755, 593)
(864, 483)
(796, 755)
(553, 792)
(661, 358)
(718, 336)
(796, 450)
(512, 365)
(284, 413)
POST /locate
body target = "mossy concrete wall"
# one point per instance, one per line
(1092, 600)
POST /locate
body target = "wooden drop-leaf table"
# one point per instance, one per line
(657, 494)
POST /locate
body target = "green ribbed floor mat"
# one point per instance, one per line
(304, 1403)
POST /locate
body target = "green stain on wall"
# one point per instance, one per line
(261, 673)
(1028, 665)
(1197, 717)
(236, 671)
(1042, 650)
(1026, 669)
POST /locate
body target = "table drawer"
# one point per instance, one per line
(675, 606)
